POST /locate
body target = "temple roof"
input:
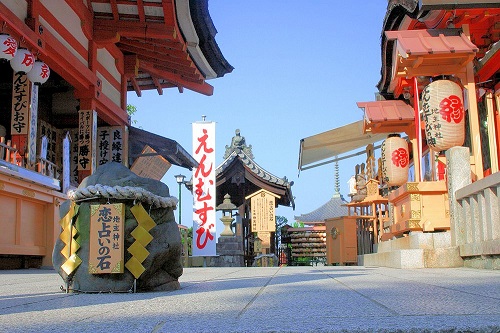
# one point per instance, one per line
(480, 16)
(169, 149)
(334, 207)
(165, 43)
(239, 176)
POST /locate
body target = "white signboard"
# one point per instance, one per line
(204, 220)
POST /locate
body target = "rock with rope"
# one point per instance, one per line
(160, 263)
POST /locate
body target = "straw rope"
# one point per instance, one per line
(122, 192)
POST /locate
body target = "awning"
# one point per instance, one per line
(167, 148)
(333, 143)
(391, 116)
(430, 52)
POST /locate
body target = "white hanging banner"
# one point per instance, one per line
(204, 221)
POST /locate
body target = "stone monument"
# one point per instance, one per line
(229, 246)
(151, 242)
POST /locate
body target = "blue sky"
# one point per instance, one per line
(299, 69)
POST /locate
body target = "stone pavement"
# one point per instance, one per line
(269, 299)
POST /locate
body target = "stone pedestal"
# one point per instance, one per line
(230, 252)
(459, 176)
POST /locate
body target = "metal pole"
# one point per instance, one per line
(180, 201)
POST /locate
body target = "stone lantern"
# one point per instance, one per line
(227, 219)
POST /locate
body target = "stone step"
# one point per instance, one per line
(414, 258)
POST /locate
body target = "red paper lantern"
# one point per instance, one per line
(8, 47)
(39, 73)
(444, 113)
(395, 160)
(23, 61)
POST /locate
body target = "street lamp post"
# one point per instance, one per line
(180, 180)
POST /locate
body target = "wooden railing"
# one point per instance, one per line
(9, 153)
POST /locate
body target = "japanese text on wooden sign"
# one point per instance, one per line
(263, 211)
(87, 135)
(204, 221)
(106, 238)
(20, 104)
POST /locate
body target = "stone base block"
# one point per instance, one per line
(483, 262)
(395, 259)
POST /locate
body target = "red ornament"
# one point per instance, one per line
(452, 109)
(8, 47)
(40, 73)
(23, 61)
(400, 157)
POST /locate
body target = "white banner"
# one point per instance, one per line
(204, 219)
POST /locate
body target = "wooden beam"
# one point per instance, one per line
(131, 65)
(114, 10)
(136, 86)
(489, 68)
(134, 29)
(140, 10)
(186, 67)
(85, 15)
(156, 48)
(157, 85)
(202, 88)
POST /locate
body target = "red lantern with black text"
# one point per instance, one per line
(444, 113)
(39, 73)
(23, 61)
(395, 160)
(8, 47)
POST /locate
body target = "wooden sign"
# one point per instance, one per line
(20, 104)
(87, 137)
(153, 166)
(106, 238)
(262, 204)
(111, 145)
(33, 121)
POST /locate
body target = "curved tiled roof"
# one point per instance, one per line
(206, 33)
(252, 166)
(240, 176)
(396, 11)
(335, 207)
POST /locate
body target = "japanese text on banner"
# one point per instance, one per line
(204, 221)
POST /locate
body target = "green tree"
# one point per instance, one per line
(131, 110)
(280, 222)
(298, 224)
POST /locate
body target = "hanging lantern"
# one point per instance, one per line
(40, 73)
(23, 61)
(8, 47)
(395, 160)
(444, 113)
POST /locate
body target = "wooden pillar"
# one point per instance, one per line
(492, 135)
(497, 117)
(417, 141)
(470, 85)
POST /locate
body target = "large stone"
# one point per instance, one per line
(163, 265)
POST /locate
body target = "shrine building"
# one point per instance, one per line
(430, 197)
(252, 189)
(66, 68)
